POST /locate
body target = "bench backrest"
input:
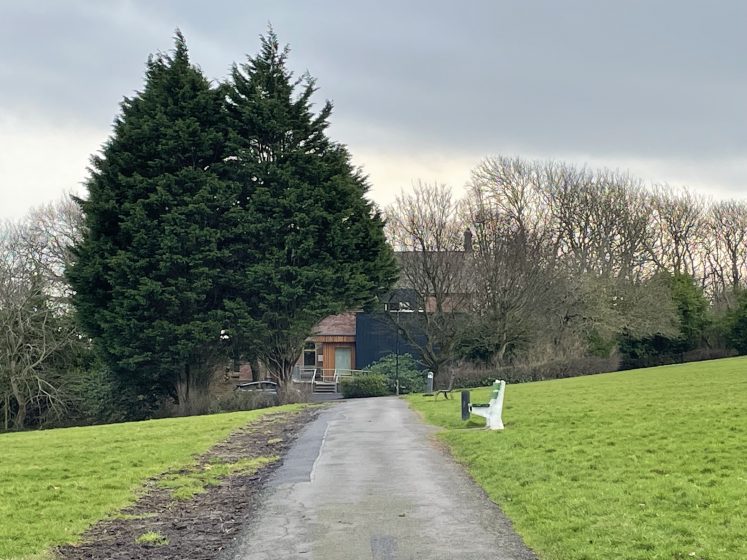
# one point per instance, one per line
(498, 386)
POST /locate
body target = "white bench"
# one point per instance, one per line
(492, 411)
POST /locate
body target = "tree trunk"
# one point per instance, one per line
(193, 390)
(182, 391)
(280, 368)
(20, 420)
(20, 417)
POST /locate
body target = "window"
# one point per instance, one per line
(309, 355)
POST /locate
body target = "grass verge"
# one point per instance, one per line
(645, 464)
(54, 484)
(152, 538)
(194, 480)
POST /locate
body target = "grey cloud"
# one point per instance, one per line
(567, 80)
(654, 80)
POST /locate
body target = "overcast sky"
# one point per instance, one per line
(422, 90)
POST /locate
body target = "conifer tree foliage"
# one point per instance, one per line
(214, 209)
(304, 241)
(147, 272)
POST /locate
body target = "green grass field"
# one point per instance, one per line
(645, 464)
(56, 483)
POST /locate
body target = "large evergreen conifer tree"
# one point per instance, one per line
(147, 276)
(221, 207)
(304, 241)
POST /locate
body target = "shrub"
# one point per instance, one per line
(409, 382)
(735, 324)
(521, 372)
(365, 385)
(293, 393)
(242, 400)
(96, 396)
(411, 379)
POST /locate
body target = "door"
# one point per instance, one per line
(343, 357)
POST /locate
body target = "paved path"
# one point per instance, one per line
(365, 481)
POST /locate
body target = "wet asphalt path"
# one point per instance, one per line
(365, 481)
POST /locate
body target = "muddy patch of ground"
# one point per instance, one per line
(160, 527)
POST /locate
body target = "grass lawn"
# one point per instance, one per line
(645, 464)
(56, 483)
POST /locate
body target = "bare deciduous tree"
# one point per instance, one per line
(566, 260)
(428, 236)
(602, 220)
(727, 244)
(34, 331)
(678, 219)
(561, 255)
(48, 233)
(514, 255)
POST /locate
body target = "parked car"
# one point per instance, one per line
(269, 387)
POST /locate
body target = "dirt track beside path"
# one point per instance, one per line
(201, 527)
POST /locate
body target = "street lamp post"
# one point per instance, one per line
(396, 340)
(396, 359)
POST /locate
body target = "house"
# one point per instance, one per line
(346, 343)
(349, 342)
(332, 345)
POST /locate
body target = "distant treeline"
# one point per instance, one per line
(560, 266)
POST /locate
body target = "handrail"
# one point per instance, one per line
(315, 374)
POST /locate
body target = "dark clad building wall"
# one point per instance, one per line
(376, 337)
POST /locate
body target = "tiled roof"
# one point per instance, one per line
(336, 325)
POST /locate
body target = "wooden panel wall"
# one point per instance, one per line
(328, 353)
(335, 338)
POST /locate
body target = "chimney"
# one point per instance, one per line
(467, 241)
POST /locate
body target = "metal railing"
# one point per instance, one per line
(321, 375)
